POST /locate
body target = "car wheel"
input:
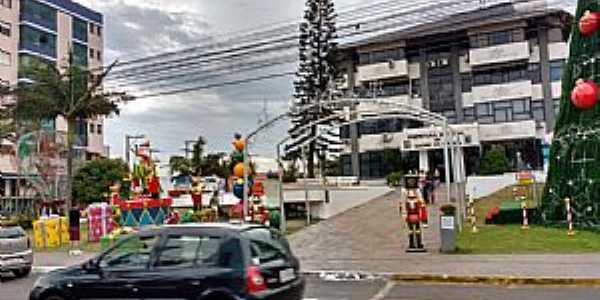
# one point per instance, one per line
(22, 272)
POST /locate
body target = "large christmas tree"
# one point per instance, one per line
(575, 153)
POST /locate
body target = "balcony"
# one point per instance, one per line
(499, 54)
(384, 70)
(507, 131)
(504, 91)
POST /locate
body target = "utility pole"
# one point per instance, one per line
(187, 148)
(128, 139)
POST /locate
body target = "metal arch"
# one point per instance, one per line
(405, 111)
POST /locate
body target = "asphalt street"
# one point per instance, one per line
(17, 289)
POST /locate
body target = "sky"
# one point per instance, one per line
(138, 28)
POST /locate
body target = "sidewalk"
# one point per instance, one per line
(53, 259)
(370, 239)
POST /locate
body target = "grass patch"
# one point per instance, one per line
(511, 239)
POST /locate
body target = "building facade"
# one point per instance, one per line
(494, 73)
(47, 31)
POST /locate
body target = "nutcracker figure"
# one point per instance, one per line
(413, 205)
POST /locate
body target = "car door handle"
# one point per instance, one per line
(132, 287)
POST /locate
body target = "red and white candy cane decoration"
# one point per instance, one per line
(569, 217)
(525, 219)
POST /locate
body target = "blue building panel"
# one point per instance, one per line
(78, 9)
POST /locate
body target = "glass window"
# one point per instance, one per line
(91, 53)
(80, 53)
(5, 28)
(538, 110)
(556, 70)
(38, 41)
(556, 106)
(483, 109)
(364, 58)
(134, 252)
(502, 115)
(521, 106)
(535, 73)
(346, 165)
(469, 114)
(38, 13)
(99, 30)
(500, 37)
(466, 82)
(91, 28)
(91, 127)
(80, 29)
(188, 251)
(268, 245)
(345, 132)
(98, 54)
(415, 88)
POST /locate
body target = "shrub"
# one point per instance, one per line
(394, 179)
(494, 162)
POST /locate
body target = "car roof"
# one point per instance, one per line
(231, 226)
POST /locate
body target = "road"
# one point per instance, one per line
(17, 289)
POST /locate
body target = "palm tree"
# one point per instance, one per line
(198, 155)
(66, 91)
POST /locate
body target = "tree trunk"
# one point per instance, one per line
(69, 186)
(310, 156)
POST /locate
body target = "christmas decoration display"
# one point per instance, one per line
(144, 211)
(100, 221)
(256, 210)
(146, 207)
(585, 94)
(589, 23)
(51, 232)
(574, 170)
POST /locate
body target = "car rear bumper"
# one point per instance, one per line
(16, 261)
(292, 291)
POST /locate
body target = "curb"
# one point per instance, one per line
(444, 278)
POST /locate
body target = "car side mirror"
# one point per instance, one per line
(92, 265)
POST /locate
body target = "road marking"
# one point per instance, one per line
(385, 291)
(45, 269)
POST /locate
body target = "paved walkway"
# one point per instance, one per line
(369, 238)
(370, 232)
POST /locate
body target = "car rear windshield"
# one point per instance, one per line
(267, 244)
(11, 232)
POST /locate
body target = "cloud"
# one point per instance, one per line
(136, 28)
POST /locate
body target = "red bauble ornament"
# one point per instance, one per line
(589, 23)
(585, 94)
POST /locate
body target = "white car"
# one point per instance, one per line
(15, 251)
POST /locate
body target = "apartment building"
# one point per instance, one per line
(493, 72)
(47, 31)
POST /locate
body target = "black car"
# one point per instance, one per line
(196, 262)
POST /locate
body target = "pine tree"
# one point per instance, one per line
(575, 151)
(317, 48)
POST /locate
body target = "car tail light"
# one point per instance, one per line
(255, 281)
